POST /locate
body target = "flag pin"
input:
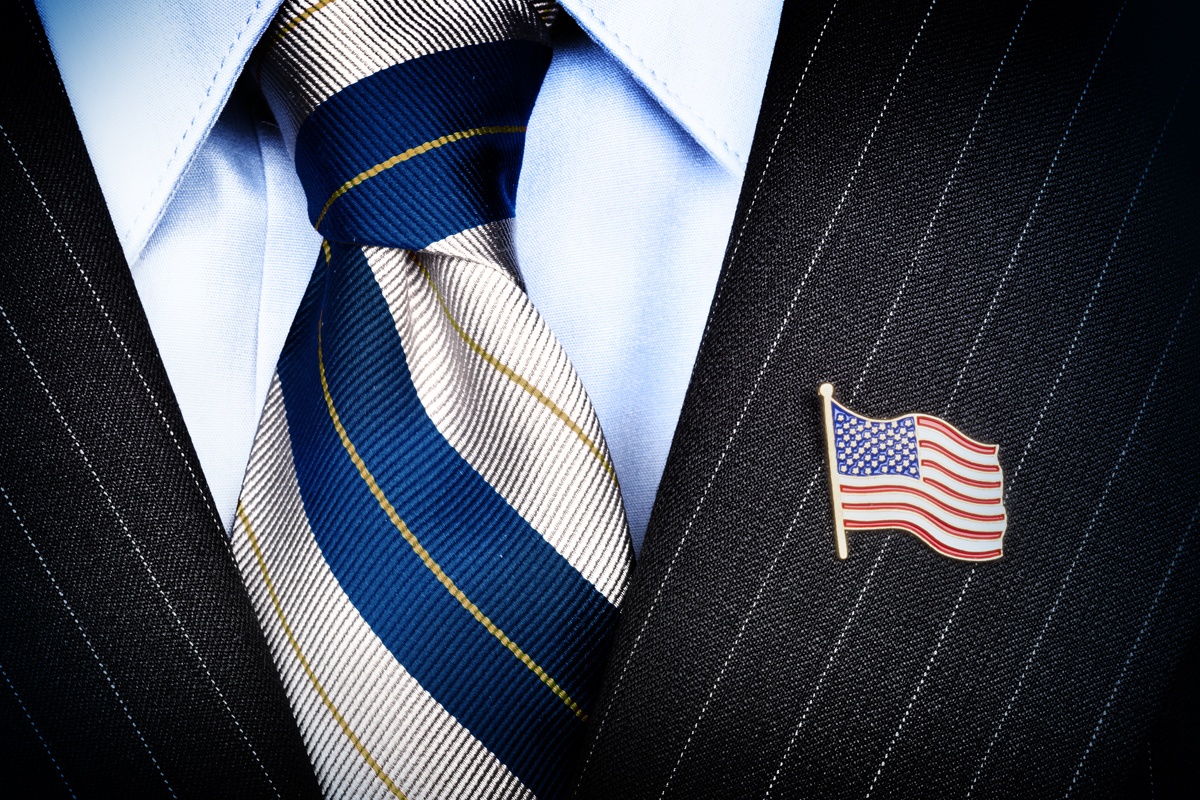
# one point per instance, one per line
(915, 473)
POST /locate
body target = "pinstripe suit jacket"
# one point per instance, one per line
(981, 210)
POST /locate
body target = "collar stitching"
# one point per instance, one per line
(707, 126)
(191, 126)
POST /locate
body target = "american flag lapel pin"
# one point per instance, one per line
(915, 473)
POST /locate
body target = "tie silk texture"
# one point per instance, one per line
(430, 527)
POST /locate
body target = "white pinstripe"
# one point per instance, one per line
(837, 645)
(1032, 213)
(725, 451)
(120, 339)
(966, 363)
(863, 373)
(1150, 769)
(1074, 341)
(1079, 550)
(741, 630)
(937, 211)
(1132, 650)
(28, 716)
(762, 176)
(137, 550)
(1091, 300)
(86, 640)
(924, 675)
(762, 371)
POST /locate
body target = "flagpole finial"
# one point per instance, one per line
(825, 390)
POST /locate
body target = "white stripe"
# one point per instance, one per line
(958, 506)
(543, 469)
(982, 496)
(416, 742)
(955, 515)
(978, 493)
(854, 508)
(863, 511)
(925, 435)
(932, 434)
(927, 423)
(880, 517)
(345, 41)
(955, 469)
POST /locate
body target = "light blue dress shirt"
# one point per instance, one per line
(633, 165)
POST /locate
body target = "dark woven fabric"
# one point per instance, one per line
(1024, 266)
(132, 661)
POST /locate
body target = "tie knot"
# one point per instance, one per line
(407, 117)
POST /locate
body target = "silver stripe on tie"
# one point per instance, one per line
(370, 728)
(499, 387)
(313, 50)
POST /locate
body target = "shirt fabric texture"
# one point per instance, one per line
(633, 165)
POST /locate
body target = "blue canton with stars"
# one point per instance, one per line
(866, 447)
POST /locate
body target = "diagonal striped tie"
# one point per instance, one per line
(430, 525)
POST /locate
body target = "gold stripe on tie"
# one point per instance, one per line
(297, 20)
(412, 152)
(308, 670)
(516, 378)
(424, 554)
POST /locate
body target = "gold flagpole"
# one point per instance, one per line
(839, 525)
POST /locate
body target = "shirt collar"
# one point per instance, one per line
(704, 61)
(147, 80)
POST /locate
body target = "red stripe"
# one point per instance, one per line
(953, 433)
(957, 459)
(927, 537)
(960, 478)
(939, 503)
(960, 495)
(946, 526)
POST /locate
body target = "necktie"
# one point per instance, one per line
(430, 526)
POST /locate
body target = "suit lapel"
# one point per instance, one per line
(979, 211)
(130, 651)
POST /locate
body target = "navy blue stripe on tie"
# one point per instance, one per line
(442, 190)
(492, 554)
